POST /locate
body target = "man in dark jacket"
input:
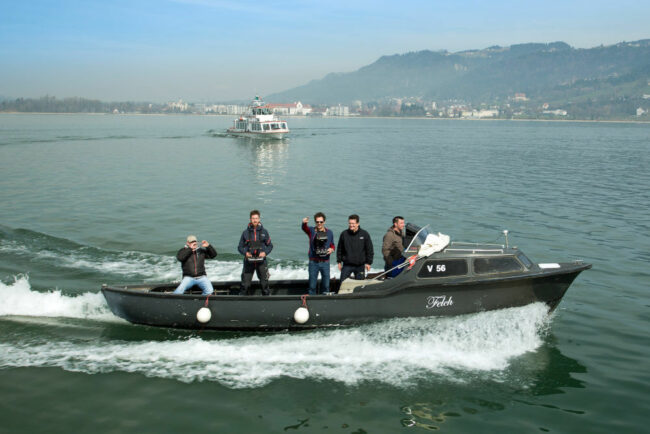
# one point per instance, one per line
(192, 258)
(255, 244)
(355, 250)
(321, 246)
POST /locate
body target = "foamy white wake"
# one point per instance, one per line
(18, 299)
(398, 352)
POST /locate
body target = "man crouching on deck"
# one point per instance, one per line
(192, 258)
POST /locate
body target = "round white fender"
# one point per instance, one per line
(203, 315)
(301, 315)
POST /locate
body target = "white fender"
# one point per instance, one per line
(203, 315)
(301, 315)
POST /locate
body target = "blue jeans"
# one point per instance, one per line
(314, 268)
(202, 282)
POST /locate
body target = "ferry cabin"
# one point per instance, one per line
(260, 126)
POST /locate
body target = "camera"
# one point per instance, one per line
(255, 247)
(321, 244)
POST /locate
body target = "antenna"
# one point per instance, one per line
(505, 233)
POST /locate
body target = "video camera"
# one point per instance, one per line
(321, 244)
(255, 247)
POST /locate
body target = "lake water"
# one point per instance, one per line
(87, 200)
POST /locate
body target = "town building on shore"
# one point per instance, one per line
(292, 109)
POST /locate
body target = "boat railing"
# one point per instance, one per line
(464, 247)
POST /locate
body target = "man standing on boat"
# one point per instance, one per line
(355, 251)
(393, 246)
(321, 246)
(192, 258)
(255, 244)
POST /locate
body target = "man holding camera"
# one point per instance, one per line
(255, 244)
(321, 246)
(192, 258)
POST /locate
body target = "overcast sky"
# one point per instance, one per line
(212, 50)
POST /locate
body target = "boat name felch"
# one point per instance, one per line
(439, 301)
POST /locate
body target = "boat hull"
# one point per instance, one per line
(397, 298)
(273, 136)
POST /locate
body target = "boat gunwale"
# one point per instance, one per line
(450, 281)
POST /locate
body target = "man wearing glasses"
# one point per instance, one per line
(321, 246)
(192, 258)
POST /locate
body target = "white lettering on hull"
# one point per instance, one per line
(439, 301)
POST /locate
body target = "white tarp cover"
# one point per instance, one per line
(551, 265)
(433, 243)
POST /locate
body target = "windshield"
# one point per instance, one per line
(415, 236)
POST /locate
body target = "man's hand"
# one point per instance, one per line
(340, 266)
(262, 254)
(367, 267)
(204, 243)
(305, 220)
(329, 251)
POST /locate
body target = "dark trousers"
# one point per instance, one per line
(247, 276)
(347, 270)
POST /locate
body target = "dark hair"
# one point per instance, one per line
(397, 218)
(354, 217)
(319, 214)
(254, 212)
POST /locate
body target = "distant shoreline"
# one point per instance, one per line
(626, 121)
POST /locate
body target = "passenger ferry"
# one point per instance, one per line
(259, 121)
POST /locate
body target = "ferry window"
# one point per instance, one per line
(496, 265)
(443, 268)
(284, 126)
(266, 127)
(274, 126)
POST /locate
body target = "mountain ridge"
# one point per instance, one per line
(491, 74)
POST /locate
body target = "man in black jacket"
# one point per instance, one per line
(355, 250)
(255, 244)
(192, 258)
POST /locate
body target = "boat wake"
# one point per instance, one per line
(399, 352)
(19, 299)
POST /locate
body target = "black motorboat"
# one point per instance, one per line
(438, 278)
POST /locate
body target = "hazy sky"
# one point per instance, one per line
(212, 50)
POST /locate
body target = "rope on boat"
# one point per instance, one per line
(204, 314)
